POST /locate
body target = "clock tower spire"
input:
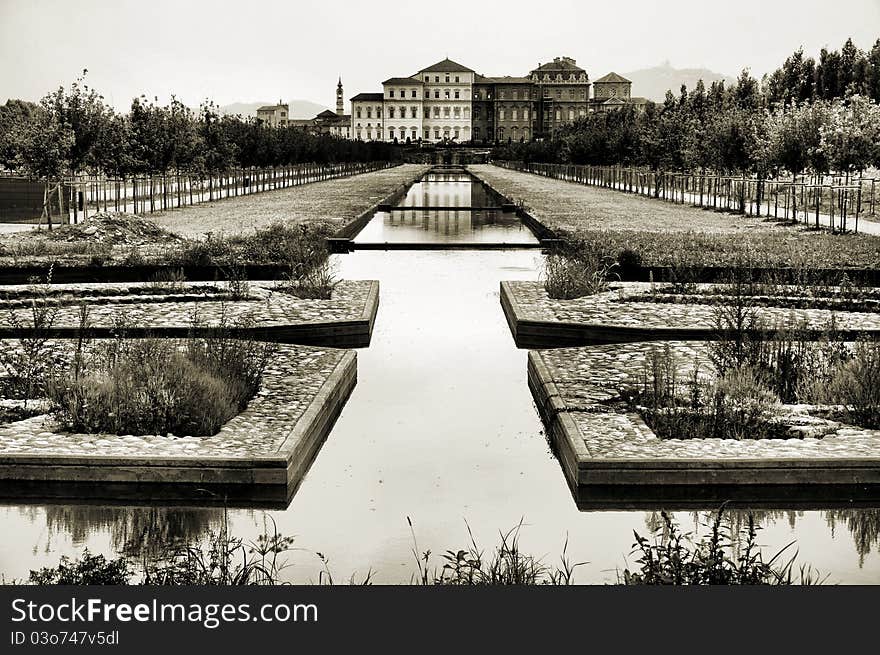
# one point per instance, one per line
(340, 106)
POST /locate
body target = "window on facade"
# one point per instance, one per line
(283, 114)
(570, 114)
(456, 78)
(476, 132)
(581, 111)
(436, 78)
(412, 112)
(558, 116)
(446, 93)
(500, 114)
(525, 134)
(446, 112)
(559, 94)
(427, 113)
(414, 134)
(456, 133)
(369, 112)
(413, 94)
(391, 133)
(436, 112)
(447, 78)
(391, 93)
(571, 94)
(427, 133)
(403, 112)
(476, 112)
(457, 112)
(427, 78)
(525, 114)
(437, 93)
(436, 132)
(391, 112)
(456, 94)
(378, 112)
(514, 133)
(357, 112)
(502, 94)
(467, 112)
(500, 132)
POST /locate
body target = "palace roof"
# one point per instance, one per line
(367, 96)
(506, 79)
(612, 77)
(404, 81)
(559, 64)
(446, 66)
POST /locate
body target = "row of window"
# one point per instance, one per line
(402, 133)
(413, 112)
(414, 93)
(459, 112)
(446, 79)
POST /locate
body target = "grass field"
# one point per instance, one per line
(337, 200)
(667, 234)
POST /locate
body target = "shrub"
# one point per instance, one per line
(567, 277)
(160, 386)
(169, 280)
(30, 361)
(86, 570)
(855, 385)
(725, 556)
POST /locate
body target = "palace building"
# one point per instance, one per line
(449, 102)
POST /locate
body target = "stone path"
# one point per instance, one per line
(267, 306)
(623, 307)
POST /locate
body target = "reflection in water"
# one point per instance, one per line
(446, 225)
(863, 525)
(134, 531)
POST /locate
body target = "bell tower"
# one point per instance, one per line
(340, 106)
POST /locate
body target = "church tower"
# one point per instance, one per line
(340, 106)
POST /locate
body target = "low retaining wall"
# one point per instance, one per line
(598, 446)
(617, 316)
(246, 456)
(345, 320)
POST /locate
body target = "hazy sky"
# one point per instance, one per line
(268, 49)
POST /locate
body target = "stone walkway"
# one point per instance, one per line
(628, 305)
(265, 305)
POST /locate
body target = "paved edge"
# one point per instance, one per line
(583, 470)
(530, 333)
(355, 333)
(283, 469)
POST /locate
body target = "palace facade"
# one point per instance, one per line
(448, 102)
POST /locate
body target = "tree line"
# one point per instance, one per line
(73, 131)
(811, 116)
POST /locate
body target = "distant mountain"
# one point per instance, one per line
(298, 108)
(652, 83)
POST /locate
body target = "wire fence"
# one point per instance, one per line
(76, 198)
(834, 204)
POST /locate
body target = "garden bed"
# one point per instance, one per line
(270, 443)
(180, 308)
(603, 440)
(641, 311)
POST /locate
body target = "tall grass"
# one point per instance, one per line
(728, 554)
(159, 386)
(724, 556)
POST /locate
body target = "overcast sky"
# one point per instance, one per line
(268, 49)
